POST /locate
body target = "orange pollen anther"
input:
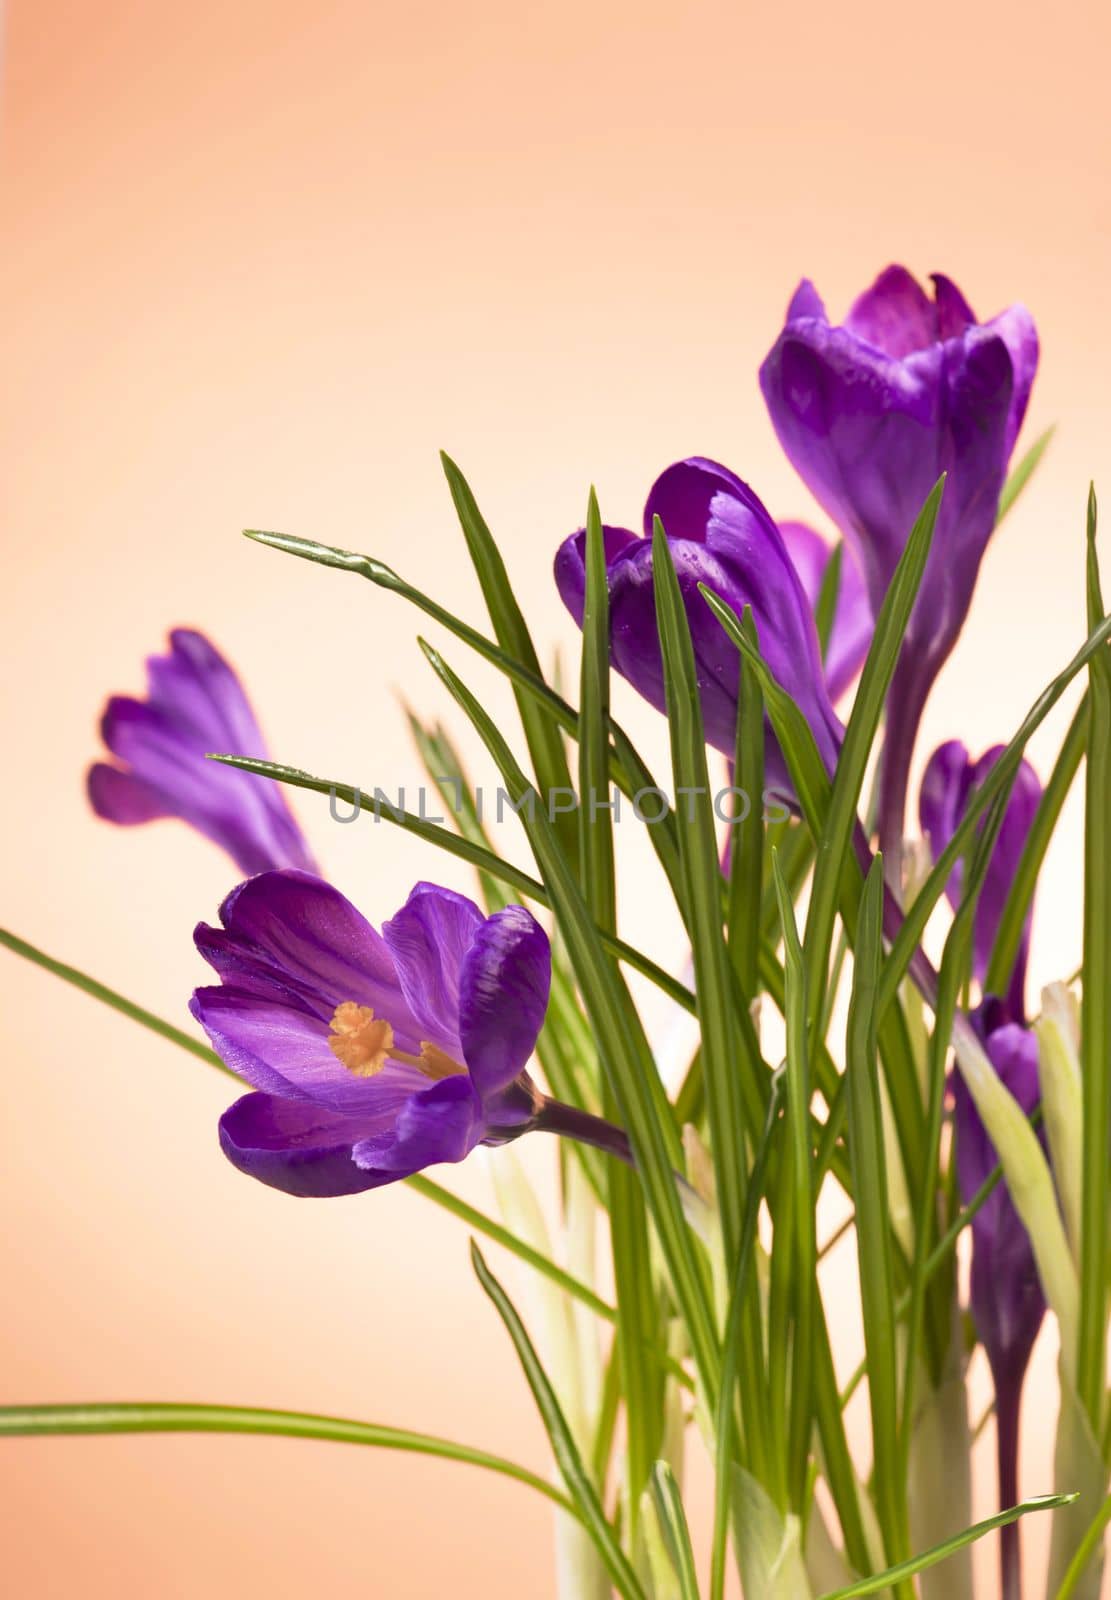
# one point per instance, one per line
(359, 1039)
(364, 1042)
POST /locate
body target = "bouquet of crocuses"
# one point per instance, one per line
(957, 1120)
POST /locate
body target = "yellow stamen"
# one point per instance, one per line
(364, 1042)
(436, 1063)
(359, 1039)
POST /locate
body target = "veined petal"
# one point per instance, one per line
(281, 1050)
(309, 931)
(505, 980)
(428, 940)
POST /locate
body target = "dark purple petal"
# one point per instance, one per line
(310, 933)
(428, 940)
(1007, 1300)
(298, 1147)
(504, 986)
(195, 706)
(853, 624)
(688, 495)
(442, 1123)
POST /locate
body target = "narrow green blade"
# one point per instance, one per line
(723, 1058)
(869, 1164)
(542, 732)
(1022, 474)
(40, 1421)
(673, 1521)
(949, 1547)
(1095, 1026)
(578, 1481)
(639, 1323)
(622, 1045)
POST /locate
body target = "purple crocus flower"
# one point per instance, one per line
(853, 624)
(195, 704)
(871, 413)
(371, 1055)
(1007, 1300)
(720, 535)
(948, 783)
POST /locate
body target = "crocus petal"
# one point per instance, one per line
(948, 783)
(122, 797)
(310, 932)
(443, 1123)
(195, 705)
(853, 624)
(1007, 1300)
(428, 940)
(298, 1147)
(687, 496)
(570, 564)
(504, 985)
(895, 314)
(281, 1050)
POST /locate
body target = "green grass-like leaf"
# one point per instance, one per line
(623, 1048)
(1095, 1023)
(42, 1421)
(673, 1524)
(1022, 474)
(724, 1058)
(579, 1484)
(939, 1552)
(866, 1148)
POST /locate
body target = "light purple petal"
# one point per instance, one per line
(506, 977)
(122, 797)
(428, 940)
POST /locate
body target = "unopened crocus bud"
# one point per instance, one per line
(720, 535)
(948, 784)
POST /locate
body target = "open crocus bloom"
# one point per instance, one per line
(371, 1054)
(195, 704)
(720, 535)
(950, 779)
(871, 413)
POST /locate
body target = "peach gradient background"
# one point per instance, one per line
(260, 261)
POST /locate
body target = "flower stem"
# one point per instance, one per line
(1008, 1394)
(556, 1117)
